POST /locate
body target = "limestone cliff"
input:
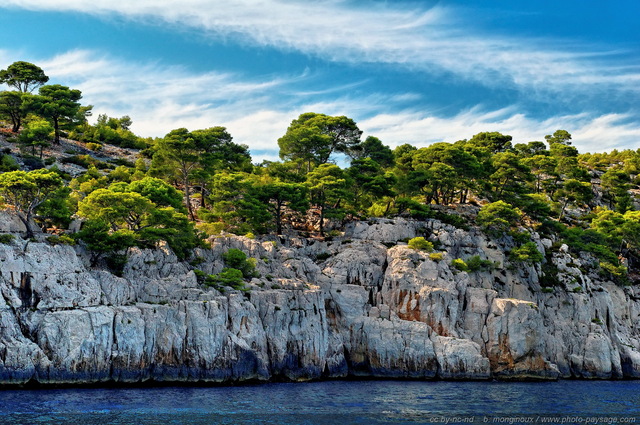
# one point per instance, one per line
(363, 304)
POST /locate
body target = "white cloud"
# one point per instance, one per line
(426, 39)
(590, 133)
(160, 98)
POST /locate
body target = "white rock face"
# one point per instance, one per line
(361, 305)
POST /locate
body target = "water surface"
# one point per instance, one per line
(339, 402)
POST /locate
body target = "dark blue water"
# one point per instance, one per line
(335, 402)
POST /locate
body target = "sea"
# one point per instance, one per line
(331, 402)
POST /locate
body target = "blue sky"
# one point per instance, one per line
(407, 71)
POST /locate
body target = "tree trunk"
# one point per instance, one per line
(278, 216)
(187, 197)
(26, 220)
(322, 220)
(56, 131)
(202, 194)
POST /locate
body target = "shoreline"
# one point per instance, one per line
(153, 383)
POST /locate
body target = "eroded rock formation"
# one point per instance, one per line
(363, 304)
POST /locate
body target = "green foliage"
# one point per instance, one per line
(475, 263)
(95, 147)
(26, 191)
(195, 157)
(57, 209)
(36, 134)
(549, 277)
(107, 130)
(157, 191)
(117, 263)
(85, 161)
(559, 136)
(436, 256)
(614, 272)
(7, 163)
(327, 187)
(99, 239)
(573, 191)
(312, 138)
(322, 256)
(526, 253)
(452, 219)
(238, 204)
(6, 239)
(61, 240)
(12, 107)
(237, 259)
(494, 142)
(373, 148)
(23, 76)
(227, 277)
(128, 210)
(59, 105)
(498, 217)
(420, 244)
(239, 268)
(413, 208)
(121, 209)
(278, 198)
(460, 264)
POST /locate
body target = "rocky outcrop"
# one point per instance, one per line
(363, 304)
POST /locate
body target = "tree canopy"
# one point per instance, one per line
(312, 138)
(23, 76)
(162, 189)
(26, 191)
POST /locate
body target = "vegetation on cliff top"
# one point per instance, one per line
(193, 183)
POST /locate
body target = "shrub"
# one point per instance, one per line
(94, 147)
(32, 162)
(414, 208)
(237, 259)
(6, 239)
(61, 239)
(520, 237)
(211, 228)
(7, 163)
(460, 264)
(116, 263)
(549, 276)
(498, 216)
(550, 227)
(436, 256)
(323, 256)
(612, 271)
(475, 264)
(122, 162)
(421, 244)
(526, 253)
(455, 220)
(227, 277)
(250, 235)
(200, 275)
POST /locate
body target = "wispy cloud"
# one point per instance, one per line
(160, 98)
(591, 133)
(432, 39)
